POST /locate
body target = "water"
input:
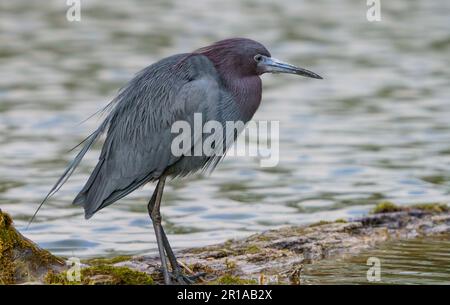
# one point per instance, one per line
(419, 261)
(376, 128)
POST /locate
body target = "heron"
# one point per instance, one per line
(221, 81)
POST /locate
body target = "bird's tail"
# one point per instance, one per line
(70, 168)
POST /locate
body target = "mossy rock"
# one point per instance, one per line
(326, 222)
(390, 207)
(107, 261)
(229, 279)
(386, 207)
(252, 249)
(20, 259)
(102, 275)
(432, 207)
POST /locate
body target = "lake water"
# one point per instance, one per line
(377, 127)
(418, 261)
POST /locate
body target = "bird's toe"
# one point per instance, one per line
(182, 279)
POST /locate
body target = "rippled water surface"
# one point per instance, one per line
(376, 128)
(418, 261)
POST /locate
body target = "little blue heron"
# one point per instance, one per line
(221, 82)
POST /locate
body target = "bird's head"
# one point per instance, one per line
(248, 57)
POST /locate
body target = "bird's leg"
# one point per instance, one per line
(177, 273)
(170, 255)
(155, 215)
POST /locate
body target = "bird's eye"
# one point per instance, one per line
(258, 58)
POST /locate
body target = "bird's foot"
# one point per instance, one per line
(181, 279)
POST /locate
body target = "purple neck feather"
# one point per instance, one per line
(243, 85)
(246, 90)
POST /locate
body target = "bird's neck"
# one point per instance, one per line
(244, 86)
(245, 90)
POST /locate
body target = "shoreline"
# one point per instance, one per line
(274, 256)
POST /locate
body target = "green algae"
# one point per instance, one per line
(340, 220)
(389, 207)
(252, 249)
(107, 261)
(325, 222)
(199, 268)
(102, 275)
(432, 207)
(7, 241)
(229, 279)
(385, 207)
(20, 259)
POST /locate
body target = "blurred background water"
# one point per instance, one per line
(376, 128)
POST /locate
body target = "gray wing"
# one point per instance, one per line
(137, 148)
(131, 160)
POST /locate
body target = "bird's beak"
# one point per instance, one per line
(272, 65)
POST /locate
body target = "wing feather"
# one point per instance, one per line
(137, 148)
